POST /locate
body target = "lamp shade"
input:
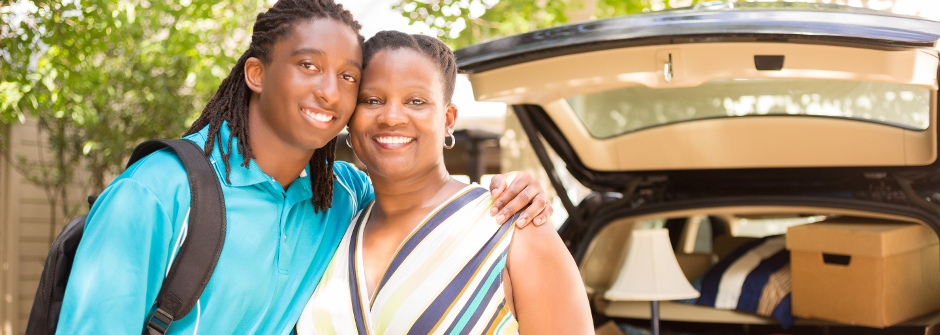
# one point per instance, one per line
(651, 272)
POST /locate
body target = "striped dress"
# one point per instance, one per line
(445, 278)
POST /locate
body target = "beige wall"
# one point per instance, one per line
(24, 229)
(7, 272)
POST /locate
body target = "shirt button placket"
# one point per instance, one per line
(283, 263)
(283, 259)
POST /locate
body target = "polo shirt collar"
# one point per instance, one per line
(240, 175)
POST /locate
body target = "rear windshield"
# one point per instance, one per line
(615, 112)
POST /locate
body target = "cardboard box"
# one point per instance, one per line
(872, 273)
(609, 328)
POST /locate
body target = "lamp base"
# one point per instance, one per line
(654, 319)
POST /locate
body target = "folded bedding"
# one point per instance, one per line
(754, 277)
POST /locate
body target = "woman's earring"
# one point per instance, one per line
(453, 141)
(347, 141)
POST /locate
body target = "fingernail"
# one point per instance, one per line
(521, 224)
(522, 218)
(538, 221)
(493, 210)
(500, 218)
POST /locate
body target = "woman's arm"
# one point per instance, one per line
(548, 295)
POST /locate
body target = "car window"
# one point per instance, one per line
(619, 111)
(761, 227)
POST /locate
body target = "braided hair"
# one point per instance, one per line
(230, 102)
(432, 47)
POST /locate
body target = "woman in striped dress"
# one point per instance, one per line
(426, 257)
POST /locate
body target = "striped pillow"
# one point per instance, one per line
(755, 277)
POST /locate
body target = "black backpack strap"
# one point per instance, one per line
(197, 257)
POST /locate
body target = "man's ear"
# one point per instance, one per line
(254, 74)
(450, 115)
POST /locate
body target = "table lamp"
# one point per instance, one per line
(651, 273)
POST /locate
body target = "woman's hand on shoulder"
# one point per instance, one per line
(547, 291)
(514, 191)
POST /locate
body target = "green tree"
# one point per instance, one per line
(103, 75)
(464, 22)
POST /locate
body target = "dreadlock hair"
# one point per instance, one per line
(230, 102)
(432, 47)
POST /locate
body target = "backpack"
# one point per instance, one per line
(191, 269)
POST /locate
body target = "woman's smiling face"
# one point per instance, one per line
(402, 117)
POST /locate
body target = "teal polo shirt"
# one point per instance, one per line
(276, 247)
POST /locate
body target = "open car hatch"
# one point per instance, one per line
(735, 95)
(711, 121)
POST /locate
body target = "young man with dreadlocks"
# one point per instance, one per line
(270, 132)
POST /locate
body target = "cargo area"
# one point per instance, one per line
(835, 271)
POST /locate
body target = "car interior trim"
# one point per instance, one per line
(746, 205)
(733, 143)
(610, 230)
(557, 78)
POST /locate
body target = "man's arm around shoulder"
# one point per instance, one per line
(356, 182)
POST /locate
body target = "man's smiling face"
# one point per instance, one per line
(309, 85)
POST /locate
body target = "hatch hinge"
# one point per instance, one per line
(643, 190)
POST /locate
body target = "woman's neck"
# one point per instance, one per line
(404, 198)
(401, 204)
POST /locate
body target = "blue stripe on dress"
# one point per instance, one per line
(713, 276)
(426, 229)
(441, 305)
(756, 280)
(471, 312)
(358, 312)
(492, 321)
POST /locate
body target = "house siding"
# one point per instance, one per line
(24, 226)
